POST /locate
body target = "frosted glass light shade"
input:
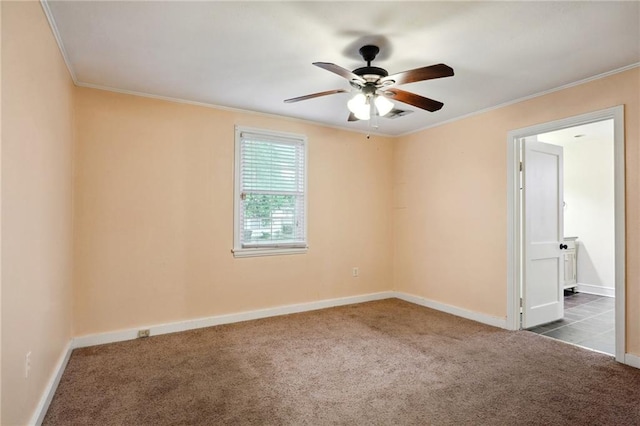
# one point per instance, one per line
(359, 106)
(363, 113)
(383, 105)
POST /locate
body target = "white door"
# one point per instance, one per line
(543, 289)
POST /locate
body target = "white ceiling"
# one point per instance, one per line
(253, 55)
(598, 131)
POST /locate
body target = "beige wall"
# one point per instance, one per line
(154, 210)
(450, 199)
(154, 215)
(36, 207)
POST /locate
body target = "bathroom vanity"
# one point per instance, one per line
(570, 263)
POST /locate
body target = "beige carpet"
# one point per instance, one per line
(378, 363)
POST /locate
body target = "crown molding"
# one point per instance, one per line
(525, 98)
(56, 35)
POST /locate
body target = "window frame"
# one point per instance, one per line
(274, 250)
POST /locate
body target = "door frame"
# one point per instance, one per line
(513, 214)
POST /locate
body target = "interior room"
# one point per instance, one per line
(302, 212)
(589, 227)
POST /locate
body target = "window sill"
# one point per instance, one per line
(254, 252)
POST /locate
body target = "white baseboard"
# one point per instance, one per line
(50, 390)
(596, 289)
(632, 360)
(454, 310)
(130, 334)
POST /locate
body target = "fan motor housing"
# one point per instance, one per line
(380, 72)
(370, 73)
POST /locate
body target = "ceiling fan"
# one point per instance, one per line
(374, 87)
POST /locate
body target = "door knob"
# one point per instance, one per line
(563, 246)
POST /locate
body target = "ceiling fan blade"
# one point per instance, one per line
(413, 99)
(314, 95)
(352, 117)
(420, 74)
(342, 72)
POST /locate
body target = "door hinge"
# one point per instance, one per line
(521, 166)
(521, 302)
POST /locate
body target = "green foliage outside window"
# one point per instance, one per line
(266, 209)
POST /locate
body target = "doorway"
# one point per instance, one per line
(555, 269)
(588, 319)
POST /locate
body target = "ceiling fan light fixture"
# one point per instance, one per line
(383, 105)
(372, 86)
(360, 107)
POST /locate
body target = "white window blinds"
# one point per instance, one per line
(271, 191)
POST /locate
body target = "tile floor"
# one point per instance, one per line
(589, 321)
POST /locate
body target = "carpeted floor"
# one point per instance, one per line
(378, 363)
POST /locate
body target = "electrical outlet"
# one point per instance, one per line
(27, 365)
(144, 333)
(355, 272)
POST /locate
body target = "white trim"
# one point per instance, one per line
(513, 236)
(620, 282)
(56, 35)
(230, 109)
(256, 252)
(454, 310)
(513, 220)
(349, 129)
(130, 334)
(632, 360)
(50, 390)
(596, 289)
(525, 98)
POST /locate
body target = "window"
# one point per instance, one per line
(270, 193)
